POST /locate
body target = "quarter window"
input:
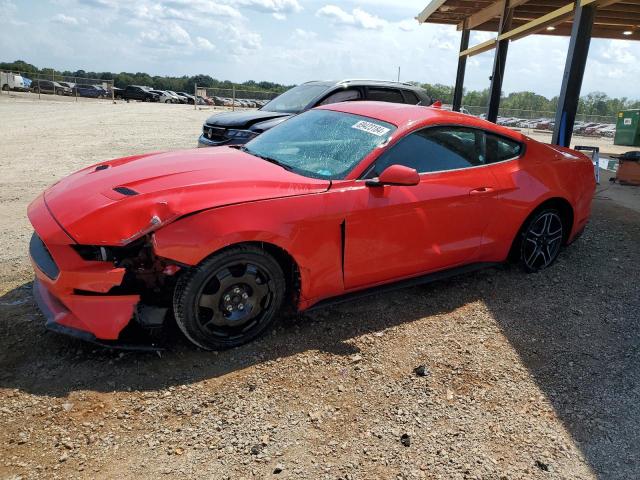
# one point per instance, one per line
(410, 97)
(385, 95)
(500, 148)
(342, 96)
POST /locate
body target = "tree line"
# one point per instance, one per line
(122, 79)
(595, 103)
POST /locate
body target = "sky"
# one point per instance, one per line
(289, 41)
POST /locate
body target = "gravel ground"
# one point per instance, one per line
(523, 376)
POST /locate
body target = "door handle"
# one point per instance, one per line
(481, 190)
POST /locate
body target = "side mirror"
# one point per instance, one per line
(395, 175)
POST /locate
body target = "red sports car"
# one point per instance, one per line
(340, 199)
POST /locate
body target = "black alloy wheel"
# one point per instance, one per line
(541, 240)
(229, 299)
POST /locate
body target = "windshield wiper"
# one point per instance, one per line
(268, 159)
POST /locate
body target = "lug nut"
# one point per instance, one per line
(245, 296)
(240, 306)
(227, 298)
(230, 308)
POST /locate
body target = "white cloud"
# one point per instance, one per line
(619, 52)
(357, 18)
(202, 7)
(242, 41)
(304, 34)
(279, 16)
(65, 19)
(271, 6)
(408, 25)
(7, 12)
(100, 3)
(170, 36)
(204, 44)
(200, 12)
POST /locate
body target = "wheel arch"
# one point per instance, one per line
(287, 262)
(566, 213)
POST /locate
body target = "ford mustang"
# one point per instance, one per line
(342, 199)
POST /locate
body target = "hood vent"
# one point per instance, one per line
(125, 191)
(101, 167)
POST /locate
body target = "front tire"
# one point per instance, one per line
(541, 240)
(229, 299)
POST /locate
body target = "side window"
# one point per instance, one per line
(435, 149)
(342, 96)
(500, 148)
(384, 95)
(410, 97)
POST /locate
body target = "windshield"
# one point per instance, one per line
(321, 143)
(296, 99)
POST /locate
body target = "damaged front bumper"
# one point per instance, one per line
(73, 293)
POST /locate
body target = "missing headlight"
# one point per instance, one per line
(96, 253)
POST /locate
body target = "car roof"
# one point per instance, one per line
(408, 117)
(365, 82)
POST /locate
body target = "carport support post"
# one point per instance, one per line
(462, 65)
(573, 74)
(195, 96)
(499, 60)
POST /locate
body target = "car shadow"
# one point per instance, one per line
(574, 326)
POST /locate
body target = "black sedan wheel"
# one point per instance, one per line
(541, 240)
(229, 299)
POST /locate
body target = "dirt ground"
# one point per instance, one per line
(526, 376)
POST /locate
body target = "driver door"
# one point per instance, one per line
(394, 231)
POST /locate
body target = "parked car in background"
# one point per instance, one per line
(240, 127)
(177, 98)
(205, 100)
(337, 200)
(90, 91)
(582, 128)
(117, 92)
(47, 86)
(608, 131)
(142, 93)
(164, 97)
(68, 84)
(189, 98)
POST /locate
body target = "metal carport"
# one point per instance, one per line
(515, 19)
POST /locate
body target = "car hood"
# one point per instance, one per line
(116, 202)
(243, 120)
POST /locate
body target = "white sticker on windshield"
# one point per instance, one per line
(371, 128)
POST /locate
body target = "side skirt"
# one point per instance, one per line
(409, 282)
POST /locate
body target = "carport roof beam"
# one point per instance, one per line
(619, 19)
(534, 26)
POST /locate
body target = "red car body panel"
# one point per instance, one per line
(342, 235)
(168, 186)
(103, 316)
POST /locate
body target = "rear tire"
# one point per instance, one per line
(541, 239)
(229, 299)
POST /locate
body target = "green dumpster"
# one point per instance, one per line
(628, 128)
